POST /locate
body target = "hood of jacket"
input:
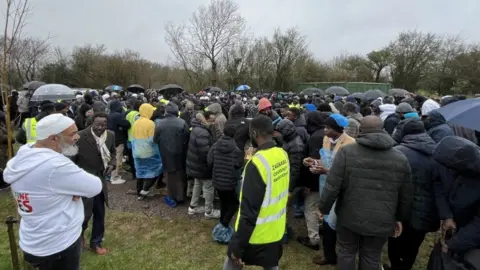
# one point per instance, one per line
(300, 121)
(458, 154)
(146, 110)
(378, 139)
(315, 121)
(434, 119)
(226, 145)
(386, 110)
(236, 111)
(215, 108)
(200, 121)
(357, 116)
(116, 106)
(419, 142)
(26, 160)
(84, 108)
(287, 129)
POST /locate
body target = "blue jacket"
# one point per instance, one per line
(461, 196)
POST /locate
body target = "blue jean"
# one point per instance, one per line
(298, 203)
(66, 259)
(98, 224)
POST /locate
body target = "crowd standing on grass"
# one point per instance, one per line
(363, 173)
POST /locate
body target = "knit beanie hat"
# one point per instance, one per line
(336, 122)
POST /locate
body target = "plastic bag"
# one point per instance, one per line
(443, 261)
(222, 234)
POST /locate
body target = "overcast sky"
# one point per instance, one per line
(332, 26)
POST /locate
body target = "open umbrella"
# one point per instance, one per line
(337, 90)
(463, 113)
(171, 89)
(243, 87)
(33, 85)
(213, 89)
(136, 88)
(374, 94)
(397, 92)
(53, 92)
(113, 88)
(358, 95)
(312, 91)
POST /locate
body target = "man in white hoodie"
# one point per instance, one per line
(47, 186)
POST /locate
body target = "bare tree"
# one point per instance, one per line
(28, 56)
(211, 30)
(15, 15)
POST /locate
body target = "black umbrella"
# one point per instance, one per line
(53, 92)
(136, 88)
(312, 91)
(113, 88)
(171, 89)
(213, 89)
(358, 95)
(337, 90)
(397, 92)
(374, 94)
(33, 85)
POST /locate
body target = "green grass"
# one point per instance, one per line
(140, 242)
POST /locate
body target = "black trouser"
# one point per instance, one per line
(368, 248)
(329, 242)
(98, 223)
(66, 259)
(145, 184)
(131, 163)
(228, 206)
(403, 250)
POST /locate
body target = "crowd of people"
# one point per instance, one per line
(362, 173)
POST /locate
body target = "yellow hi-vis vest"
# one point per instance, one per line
(131, 118)
(294, 106)
(274, 168)
(164, 101)
(30, 127)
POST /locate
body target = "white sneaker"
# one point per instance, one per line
(213, 214)
(118, 181)
(144, 192)
(196, 210)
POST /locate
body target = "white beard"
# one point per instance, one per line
(69, 150)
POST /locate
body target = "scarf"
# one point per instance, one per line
(102, 147)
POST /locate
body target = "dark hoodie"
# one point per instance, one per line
(236, 118)
(371, 183)
(462, 199)
(295, 149)
(226, 161)
(418, 147)
(315, 127)
(81, 118)
(437, 126)
(301, 127)
(117, 122)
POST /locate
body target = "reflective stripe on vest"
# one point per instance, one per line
(131, 118)
(273, 166)
(30, 127)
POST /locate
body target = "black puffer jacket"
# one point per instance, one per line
(237, 119)
(226, 161)
(372, 185)
(293, 145)
(418, 149)
(201, 139)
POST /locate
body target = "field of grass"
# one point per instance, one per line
(137, 241)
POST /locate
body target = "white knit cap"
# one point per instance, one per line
(52, 124)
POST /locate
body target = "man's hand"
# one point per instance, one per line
(109, 170)
(237, 262)
(75, 198)
(308, 162)
(398, 229)
(319, 170)
(320, 215)
(448, 224)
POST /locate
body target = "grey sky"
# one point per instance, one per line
(332, 26)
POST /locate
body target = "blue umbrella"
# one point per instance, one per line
(463, 113)
(113, 88)
(243, 87)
